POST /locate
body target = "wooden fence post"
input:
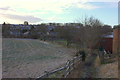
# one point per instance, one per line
(70, 65)
(47, 73)
(73, 64)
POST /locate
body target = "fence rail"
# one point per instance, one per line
(70, 65)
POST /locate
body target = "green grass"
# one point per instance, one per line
(108, 61)
(64, 42)
(60, 42)
(56, 75)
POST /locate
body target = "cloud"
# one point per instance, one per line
(17, 9)
(22, 18)
(113, 5)
(4, 8)
(87, 6)
(53, 18)
(55, 6)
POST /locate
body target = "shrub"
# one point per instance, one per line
(79, 52)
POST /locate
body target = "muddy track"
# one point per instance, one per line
(88, 68)
(85, 69)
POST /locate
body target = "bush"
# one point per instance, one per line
(79, 52)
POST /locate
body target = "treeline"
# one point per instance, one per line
(89, 34)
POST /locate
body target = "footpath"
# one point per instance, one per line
(85, 69)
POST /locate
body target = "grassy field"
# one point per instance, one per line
(23, 58)
(64, 43)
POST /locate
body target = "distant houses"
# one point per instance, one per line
(24, 30)
(111, 42)
(18, 30)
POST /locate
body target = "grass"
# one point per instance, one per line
(109, 70)
(40, 57)
(56, 75)
(59, 42)
(112, 59)
(24, 54)
(64, 42)
(108, 61)
(18, 51)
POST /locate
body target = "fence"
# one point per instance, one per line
(70, 65)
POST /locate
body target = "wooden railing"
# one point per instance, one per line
(70, 65)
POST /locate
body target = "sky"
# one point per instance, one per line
(59, 11)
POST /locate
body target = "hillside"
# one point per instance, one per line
(23, 58)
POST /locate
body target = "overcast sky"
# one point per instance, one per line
(63, 11)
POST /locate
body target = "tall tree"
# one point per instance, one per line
(67, 33)
(92, 32)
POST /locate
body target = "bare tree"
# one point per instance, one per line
(39, 32)
(92, 32)
(67, 33)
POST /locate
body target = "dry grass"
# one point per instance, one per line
(108, 70)
(24, 58)
(97, 61)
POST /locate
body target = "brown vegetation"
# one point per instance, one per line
(23, 58)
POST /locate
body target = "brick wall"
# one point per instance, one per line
(116, 39)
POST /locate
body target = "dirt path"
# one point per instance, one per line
(85, 69)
